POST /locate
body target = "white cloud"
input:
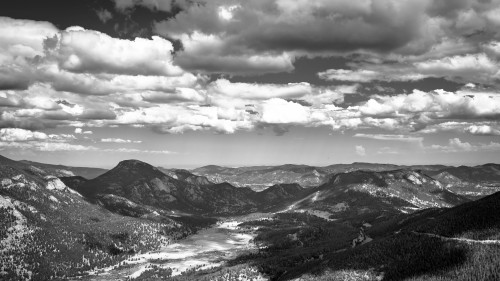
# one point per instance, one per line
(387, 137)
(118, 140)
(365, 75)
(469, 68)
(81, 50)
(16, 134)
(482, 130)
(133, 150)
(23, 37)
(279, 111)
(439, 102)
(360, 150)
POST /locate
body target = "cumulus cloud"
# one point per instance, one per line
(360, 150)
(81, 50)
(22, 135)
(83, 78)
(415, 35)
(16, 138)
(467, 68)
(279, 111)
(482, 130)
(210, 54)
(247, 92)
(438, 104)
(303, 25)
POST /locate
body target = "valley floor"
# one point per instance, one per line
(206, 249)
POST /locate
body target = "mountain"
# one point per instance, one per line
(472, 182)
(67, 171)
(185, 175)
(148, 186)
(458, 243)
(368, 220)
(481, 173)
(374, 196)
(476, 220)
(48, 230)
(282, 192)
(144, 184)
(360, 194)
(261, 177)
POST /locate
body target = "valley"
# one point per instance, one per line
(209, 248)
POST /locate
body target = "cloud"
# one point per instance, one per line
(467, 68)
(22, 135)
(302, 26)
(279, 111)
(20, 44)
(478, 68)
(104, 15)
(456, 145)
(378, 37)
(44, 146)
(210, 54)
(118, 140)
(133, 150)
(387, 137)
(83, 78)
(439, 104)
(482, 130)
(16, 138)
(365, 75)
(80, 50)
(360, 150)
(154, 5)
(81, 131)
(16, 134)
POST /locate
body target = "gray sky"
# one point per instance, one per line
(189, 83)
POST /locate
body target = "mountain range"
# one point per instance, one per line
(60, 221)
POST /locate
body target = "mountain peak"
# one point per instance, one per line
(132, 162)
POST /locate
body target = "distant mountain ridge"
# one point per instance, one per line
(144, 184)
(378, 189)
(67, 171)
(261, 177)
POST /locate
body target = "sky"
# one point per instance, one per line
(187, 83)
